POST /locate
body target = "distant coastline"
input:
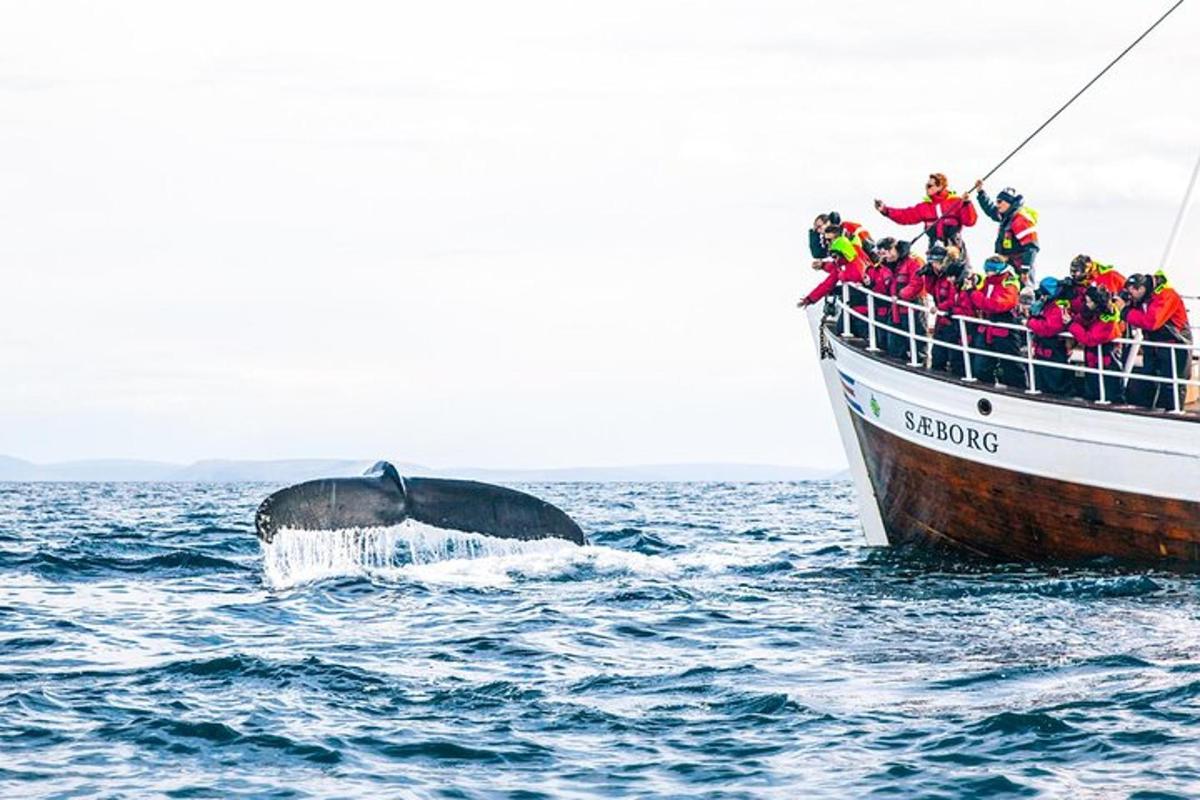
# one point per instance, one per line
(293, 470)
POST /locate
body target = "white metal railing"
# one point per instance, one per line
(1028, 361)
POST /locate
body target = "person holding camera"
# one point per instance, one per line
(1158, 310)
(847, 264)
(1085, 272)
(1090, 272)
(950, 297)
(995, 299)
(1049, 317)
(907, 286)
(854, 231)
(1096, 328)
(880, 278)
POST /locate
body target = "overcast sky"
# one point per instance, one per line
(517, 234)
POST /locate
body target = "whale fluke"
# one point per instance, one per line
(381, 497)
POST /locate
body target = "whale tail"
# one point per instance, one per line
(381, 497)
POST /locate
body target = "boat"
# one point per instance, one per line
(952, 463)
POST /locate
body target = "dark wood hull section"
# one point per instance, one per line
(935, 500)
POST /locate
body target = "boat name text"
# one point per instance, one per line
(942, 431)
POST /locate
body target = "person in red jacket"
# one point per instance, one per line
(943, 213)
(847, 265)
(908, 286)
(947, 287)
(1049, 317)
(1158, 310)
(995, 298)
(1095, 329)
(880, 278)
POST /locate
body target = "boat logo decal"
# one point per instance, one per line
(848, 391)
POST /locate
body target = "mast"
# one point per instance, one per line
(1179, 218)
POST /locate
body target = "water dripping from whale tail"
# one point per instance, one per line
(405, 551)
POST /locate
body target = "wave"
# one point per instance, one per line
(52, 564)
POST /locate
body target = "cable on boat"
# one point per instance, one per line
(1172, 240)
(1055, 115)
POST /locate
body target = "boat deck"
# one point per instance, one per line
(1190, 412)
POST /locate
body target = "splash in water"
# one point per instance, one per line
(296, 557)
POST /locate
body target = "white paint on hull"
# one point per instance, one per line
(868, 506)
(1157, 456)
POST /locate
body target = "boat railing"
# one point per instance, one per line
(1132, 346)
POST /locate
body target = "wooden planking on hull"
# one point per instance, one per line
(932, 499)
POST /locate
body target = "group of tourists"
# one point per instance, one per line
(1089, 309)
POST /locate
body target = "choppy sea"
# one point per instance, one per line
(713, 640)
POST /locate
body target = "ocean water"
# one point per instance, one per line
(713, 640)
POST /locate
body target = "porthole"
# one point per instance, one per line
(985, 406)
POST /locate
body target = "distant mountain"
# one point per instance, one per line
(291, 471)
(15, 469)
(296, 470)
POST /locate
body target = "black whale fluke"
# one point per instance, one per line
(381, 498)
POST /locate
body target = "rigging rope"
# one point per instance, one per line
(1078, 94)
(929, 230)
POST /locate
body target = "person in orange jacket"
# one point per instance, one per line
(1085, 269)
(1016, 238)
(1087, 272)
(1096, 328)
(943, 213)
(1158, 310)
(995, 298)
(1049, 317)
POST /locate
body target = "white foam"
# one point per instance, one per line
(414, 551)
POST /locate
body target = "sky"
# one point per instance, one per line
(528, 234)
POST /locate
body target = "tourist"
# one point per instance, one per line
(1049, 317)
(847, 265)
(880, 279)
(1096, 328)
(950, 298)
(943, 213)
(908, 286)
(1158, 310)
(1017, 238)
(995, 298)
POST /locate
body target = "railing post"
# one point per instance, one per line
(845, 311)
(1103, 401)
(1175, 379)
(1029, 360)
(871, 322)
(912, 337)
(966, 355)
